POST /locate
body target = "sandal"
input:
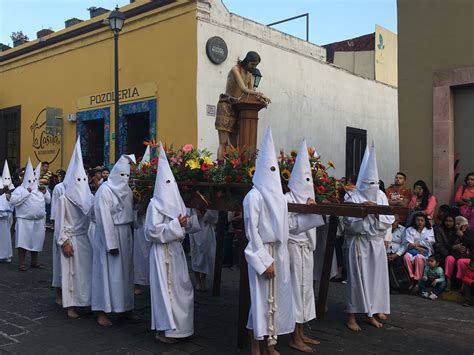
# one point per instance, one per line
(37, 266)
(22, 268)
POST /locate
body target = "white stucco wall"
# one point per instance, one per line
(310, 98)
(361, 63)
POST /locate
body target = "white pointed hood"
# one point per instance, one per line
(6, 177)
(268, 183)
(37, 174)
(119, 177)
(29, 177)
(166, 195)
(301, 182)
(76, 183)
(146, 157)
(367, 184)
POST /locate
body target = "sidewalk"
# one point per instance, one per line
(31, 323)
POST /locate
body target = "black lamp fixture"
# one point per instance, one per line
(116, 20)
(257, 76)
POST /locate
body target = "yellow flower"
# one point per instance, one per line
(136, 195)
(193, 164)
(320, 172)
(207, 160)
(251, 171)
(331, 164)
(285, 174)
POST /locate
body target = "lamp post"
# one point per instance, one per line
(256, 77)
(116, 21)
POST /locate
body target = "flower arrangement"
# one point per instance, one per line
(192, 166)
(325, 186)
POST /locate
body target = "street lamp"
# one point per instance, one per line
(116, 20)
(256, 77)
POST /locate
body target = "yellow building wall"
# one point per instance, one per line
(432, 35)
(159, 46)
(386, 56)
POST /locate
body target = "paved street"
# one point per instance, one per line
(30, 322)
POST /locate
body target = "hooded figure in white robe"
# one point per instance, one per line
(58, 191)
(301, 245)
(203, 244)
(266, 227)
(72, 223)
(367, 273)
(172, 297)
(141, 247)
(6, 214)
(30, 209)
(112, 282)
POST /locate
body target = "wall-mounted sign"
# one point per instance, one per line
(211, 110)
(132, 93)
(46, 132)
(216, 50)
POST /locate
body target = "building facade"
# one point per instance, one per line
(172, 70)
(436, 96)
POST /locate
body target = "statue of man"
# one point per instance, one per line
(239, 83)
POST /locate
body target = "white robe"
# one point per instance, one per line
(30, 209)
(58, 191)
(319, 252)
(172, 296)
(6, 220)
(141, 253)
(112, 282)
(262, 244)
(425, 238)
(203, 244)
(76, 277)
(301, 245)
(367, 275)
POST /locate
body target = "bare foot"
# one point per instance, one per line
(352, 325)
(309, 340)
(381, 316)
(137, 290)
(164, 339)
(300, 346)
(71, 313)
(103, 320)
(374, 322)
(271, 351)
(58, 301)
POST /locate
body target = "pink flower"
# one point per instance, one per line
(187, 148)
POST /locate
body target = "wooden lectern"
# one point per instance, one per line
(247, 108)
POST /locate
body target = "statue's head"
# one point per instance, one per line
(250, 62)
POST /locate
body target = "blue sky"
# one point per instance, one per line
(330, 20)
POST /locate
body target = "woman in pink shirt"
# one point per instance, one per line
(422, 200)
(464, 198)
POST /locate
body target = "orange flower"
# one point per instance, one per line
(235, 162)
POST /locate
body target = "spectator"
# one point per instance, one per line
(395, 243)
(105, 174)
(96, 179)
(433, 278)
(422, 201)
(468, 284)
(417, 245)
(445, 235)
(461, 250)
(399, 194)
(443, 211)
(464, 198)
